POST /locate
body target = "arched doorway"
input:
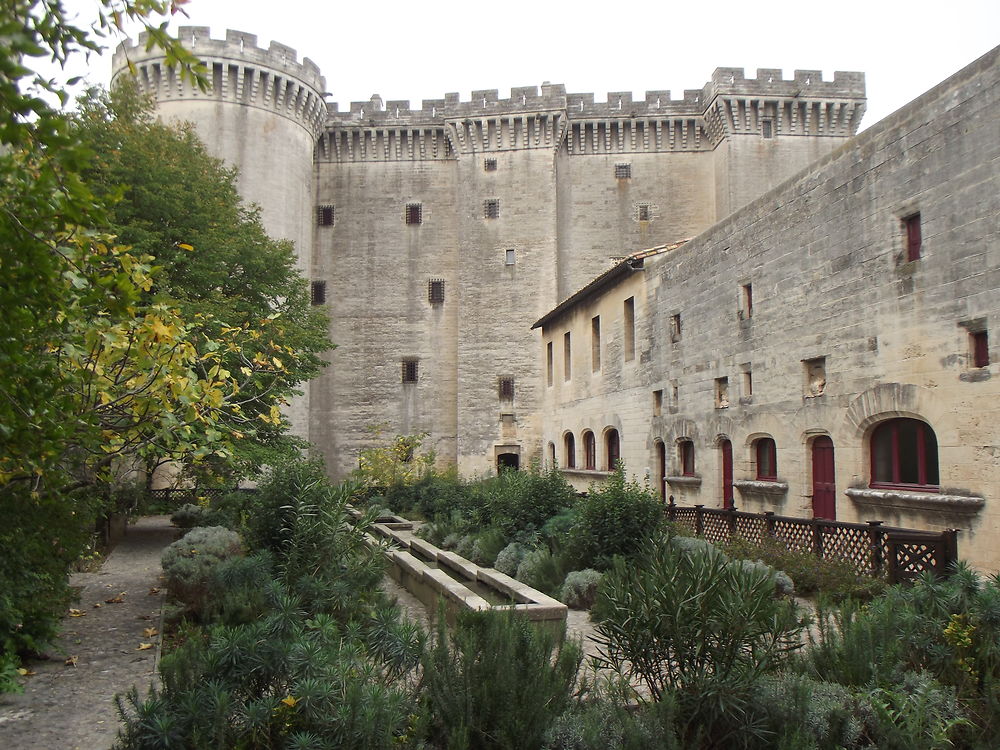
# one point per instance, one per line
(824, 479)
(726, 449)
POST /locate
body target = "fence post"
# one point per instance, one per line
(671, 509)
(875, 535)
(769, 522)
(732, 522)
(818, 538)
(699, 520)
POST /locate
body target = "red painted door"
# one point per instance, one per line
(824, 482)
(727, 473)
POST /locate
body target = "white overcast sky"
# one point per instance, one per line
(412, 50)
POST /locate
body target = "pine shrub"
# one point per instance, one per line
(496, 682)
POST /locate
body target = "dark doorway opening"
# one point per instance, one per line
(508, 462)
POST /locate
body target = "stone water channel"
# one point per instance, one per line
(434, 575)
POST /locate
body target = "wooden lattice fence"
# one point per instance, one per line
(873, 549)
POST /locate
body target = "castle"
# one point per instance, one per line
(736, 295)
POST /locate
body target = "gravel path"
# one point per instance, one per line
(67, 705)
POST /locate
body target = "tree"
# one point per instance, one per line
(97, 361)
(170, 199)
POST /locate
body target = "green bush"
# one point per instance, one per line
(288, 679)
(805, 714)
(579, 590)
(615, 518)
(40, 538)
(188, 516)
(918, 713)
(543, 570)
(694, 627)
(487, 546)
(947, 627)
(509, 558)
(519, 501)
(496, 682)
(837, 579)
(189, 562)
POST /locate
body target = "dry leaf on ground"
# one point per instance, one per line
(77, 613)
(144, 646)
(71, 661)
(150, 632)
(120, 599)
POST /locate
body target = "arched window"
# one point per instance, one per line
(569, 448)
(685, 453)
(904, 454)
(661, 468)
(767, 460)
(552, 455)
(589, 451)
(612, 444)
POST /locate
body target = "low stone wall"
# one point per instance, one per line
(412, 565)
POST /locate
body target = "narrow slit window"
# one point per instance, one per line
(324, 215)
(595, 343)
(657, 403)
(549, 362)
(491, 208)
(675, 327)
(567, 356)
(414, 213)
(687, 458)
(629, 320)
(912, 236)
(746, 301)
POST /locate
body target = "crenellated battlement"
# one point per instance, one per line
(769, 82)
(238, 71)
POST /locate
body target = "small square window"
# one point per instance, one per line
(414, 213)
(623, 171)
(490, 165)
(912, 236)
(491, 208)
(509, 257)
(505, 388)
(657, 403)
(980, 341)
(319, 293)
(324, 216)
(410, 371)
(747, 382)
(767, 128)
(643, 212)
(435, 291)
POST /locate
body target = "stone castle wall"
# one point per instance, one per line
(830, 278)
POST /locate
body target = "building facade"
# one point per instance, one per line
(827, 350)
(437, 236)
(807, 332)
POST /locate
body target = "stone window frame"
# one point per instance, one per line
(435, 291)
(325, 215)
(765, 452)
(410, 370)
(413, 214)
(489, 165)
(491, 208)
(885, 437)
(318, 293)
(623, 171)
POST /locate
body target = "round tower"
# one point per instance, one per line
(262, 114)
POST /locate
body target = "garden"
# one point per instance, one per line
(282, 636)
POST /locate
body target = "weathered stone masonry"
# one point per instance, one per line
(521, 201)
(809, 315)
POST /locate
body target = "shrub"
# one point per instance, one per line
(803, 713)
(188, 516)
(524, 500)
(543, 570)
(613, 519)
(837, 579)
(693, 626)
(496, 682)
(579, 590)
(487, 546)
(510, 557)
(919, 712)
(189, 562)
